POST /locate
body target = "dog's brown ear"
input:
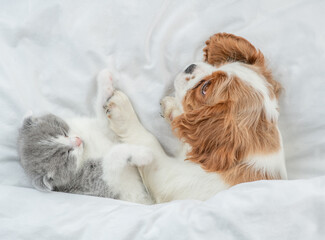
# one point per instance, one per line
(210, 133)
(218, 140)
(225, 47)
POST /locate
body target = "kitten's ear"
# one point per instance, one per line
(28, 119)
(41, 183)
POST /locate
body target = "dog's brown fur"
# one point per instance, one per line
(228, 123)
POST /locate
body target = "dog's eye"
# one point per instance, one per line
(204, 87)
(71, 149)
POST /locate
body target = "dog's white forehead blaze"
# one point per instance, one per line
(182, 86)
(256, 81)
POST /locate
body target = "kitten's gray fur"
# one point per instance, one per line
(51, 166)
(106, 170)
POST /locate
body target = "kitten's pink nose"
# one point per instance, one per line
(78, 141)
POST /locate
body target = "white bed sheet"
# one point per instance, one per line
(50, 53)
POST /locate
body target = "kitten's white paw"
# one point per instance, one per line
(143, 156)
(118, 107)
(119, 110)
(105, 85)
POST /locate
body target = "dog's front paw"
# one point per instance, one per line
(168, 108)
(105, 85)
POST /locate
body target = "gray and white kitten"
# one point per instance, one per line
(83, 155)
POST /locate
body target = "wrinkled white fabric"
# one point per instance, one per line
(50, 53)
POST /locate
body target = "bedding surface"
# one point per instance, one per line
(50, 53)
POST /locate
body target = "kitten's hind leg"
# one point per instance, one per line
(105, 91)
(121, 175)
(125, 154)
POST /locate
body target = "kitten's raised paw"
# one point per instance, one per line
(105, 85)
(118, 107)
(120, 113)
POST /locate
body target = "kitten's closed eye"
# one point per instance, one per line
(67, 152)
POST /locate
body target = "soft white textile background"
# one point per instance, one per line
(50, 53)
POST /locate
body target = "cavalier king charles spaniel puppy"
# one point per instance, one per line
(225, 112)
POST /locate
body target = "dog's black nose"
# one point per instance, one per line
(190, 69)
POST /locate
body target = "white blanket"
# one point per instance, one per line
(50, 53)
